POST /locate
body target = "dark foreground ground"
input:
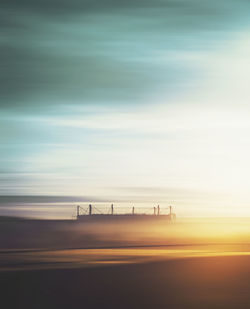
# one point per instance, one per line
(207, 282)
(63, 264)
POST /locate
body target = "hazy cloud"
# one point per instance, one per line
(105, 52)
(123, 94)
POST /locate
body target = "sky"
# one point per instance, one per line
(142, 101)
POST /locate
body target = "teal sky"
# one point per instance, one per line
(127, 100)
